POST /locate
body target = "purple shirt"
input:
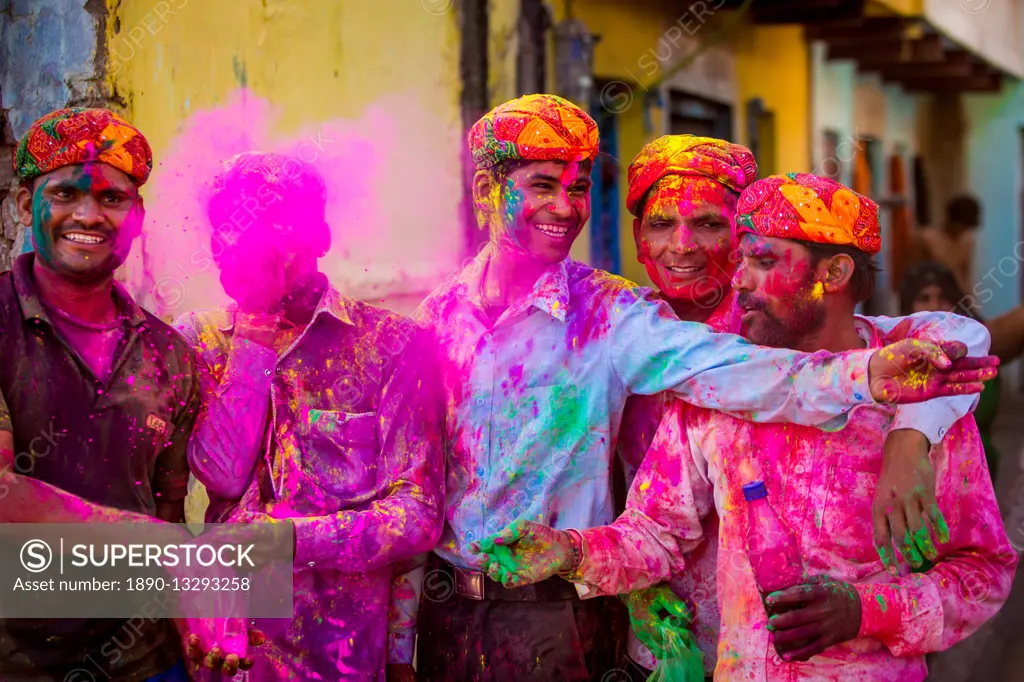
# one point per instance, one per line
(341, 434)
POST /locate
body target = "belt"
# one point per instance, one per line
(477, 586)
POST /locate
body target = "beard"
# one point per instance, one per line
(801, 315)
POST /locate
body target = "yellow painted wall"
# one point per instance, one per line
(313, 61)
(317, 60)
(773, 63)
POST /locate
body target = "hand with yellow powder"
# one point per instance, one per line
(912, 371)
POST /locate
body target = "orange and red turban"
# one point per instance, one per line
(809, 208)
(72, 136)
(730, 164)
(533, 128)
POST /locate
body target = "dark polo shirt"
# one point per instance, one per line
(119, 443)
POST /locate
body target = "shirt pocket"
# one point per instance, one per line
(340, 453)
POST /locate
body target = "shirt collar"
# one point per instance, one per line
(332, 303)
(32, 307)
(868, 332)
(550, 293)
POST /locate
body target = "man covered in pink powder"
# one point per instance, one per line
(805, 246)
(683, 191)
(539, 355)
(320, 411)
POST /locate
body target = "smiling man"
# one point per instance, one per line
(539, 354)
(111, 388)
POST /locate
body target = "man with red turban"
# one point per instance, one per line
(805, 249)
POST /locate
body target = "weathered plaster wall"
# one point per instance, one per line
(49, 58)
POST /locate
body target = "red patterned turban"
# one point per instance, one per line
(533, 128)
(730, 164)
(71, 136)
(809, 208)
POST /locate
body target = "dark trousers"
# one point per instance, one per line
(463, 640)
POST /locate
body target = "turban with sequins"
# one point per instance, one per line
(730, 164)
(68, 137)
(809, 208)
(533, 128)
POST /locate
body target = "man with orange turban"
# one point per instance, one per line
(539, 353)
(805, 249)
(113, 389)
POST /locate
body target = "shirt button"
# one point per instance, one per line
(858, 396)
(479, 471)
(799, 468)
(487, 337)
(480, 401)
(267, 372)
(311, 564)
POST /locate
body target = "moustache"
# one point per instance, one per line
(748, 302)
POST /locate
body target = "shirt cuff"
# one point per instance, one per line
(932, 418)
(308, 537)
(400, 647)
(879, 610)
(250, 364)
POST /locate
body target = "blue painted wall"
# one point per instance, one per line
(994, 175)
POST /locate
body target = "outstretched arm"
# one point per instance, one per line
(651, 350)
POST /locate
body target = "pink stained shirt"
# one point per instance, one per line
(822, 484)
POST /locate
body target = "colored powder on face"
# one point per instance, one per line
(881, 603)
(393, 187)
(817, 291)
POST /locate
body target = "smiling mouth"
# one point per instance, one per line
(554, 231)
(83, 238)
(684, 269)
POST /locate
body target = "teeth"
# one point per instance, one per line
(83, 238)
(674, 268)
(553, 230)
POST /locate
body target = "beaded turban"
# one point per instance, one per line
(68, 137)
(730, 164)
(809, 208)
(533, 128)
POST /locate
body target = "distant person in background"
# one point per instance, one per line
(952, 244)
(934, 287)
